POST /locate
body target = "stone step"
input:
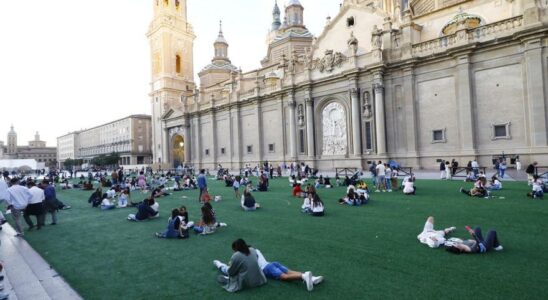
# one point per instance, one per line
(29, 275)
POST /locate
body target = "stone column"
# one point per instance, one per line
(236, 145)
(260, 131)
(410, 112)
(535, 91)
(187, 144)
(379, 119)
(465, 105)
(292, 127)
(165, 147)
(214, 146)
(356, 121)
(310, 126)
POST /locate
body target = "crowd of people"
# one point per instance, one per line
(248, 267)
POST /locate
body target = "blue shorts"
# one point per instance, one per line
(236, 188)
(275, 270)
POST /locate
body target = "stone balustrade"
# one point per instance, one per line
(480, 34)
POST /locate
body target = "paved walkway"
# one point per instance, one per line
(27, 275)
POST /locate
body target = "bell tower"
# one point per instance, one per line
(12, 141)
(171, 40)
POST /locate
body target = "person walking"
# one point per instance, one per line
(531, 172)
(17, 202)
(35, 206)
(202, 184)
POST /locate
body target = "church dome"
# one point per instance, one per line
(461, 21)
(294, 2)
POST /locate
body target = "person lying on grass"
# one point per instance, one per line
(144, 211)
(475, 245)
(277, 271)
(248, 202)
(177, 228)
(243, 270)
(159, 192)
(479, 189)
(431, 237)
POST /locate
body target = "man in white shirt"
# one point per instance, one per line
(431, 237)
(17, 202)
(380, 176)
(35, 206)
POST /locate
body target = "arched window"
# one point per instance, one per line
(177, 64)
(166, 2)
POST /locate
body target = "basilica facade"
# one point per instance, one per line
(414, 81)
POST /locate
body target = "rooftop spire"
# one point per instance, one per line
(276, 23)
(221, 38)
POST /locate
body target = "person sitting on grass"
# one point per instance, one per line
(478, 190)
(316, 206)
(477, 244)
(248, 202)
(537, 189)
(409, 185)
(263, 183)
(277, 271)
(87, 186)
(159, 192)
(431, 237)
(123, 198)
(354, 199)
(327, 183)
(107, 204)
(495, 184)
(243, 270)
(176, 227)
(144, 211)
(297, 190)
(207, 223)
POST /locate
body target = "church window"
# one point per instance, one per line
(301, 141)
(438, 136)
(271, 148)
(207, 152)
(350, 22)
(500, 131)
(178, 64)
(223, 150)
(249, 149)
(368, 136)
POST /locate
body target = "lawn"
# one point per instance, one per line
(368, 252)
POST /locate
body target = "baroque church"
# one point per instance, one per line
(414, 81)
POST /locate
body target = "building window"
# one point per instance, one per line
(178, 64)
(438, 136)
(350, 22)
(207, 152)
(500, 131)
(301, 141)
(249, 149)
(271, 148)
(223, 150)
(368, 136)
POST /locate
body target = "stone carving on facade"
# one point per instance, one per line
(330, 61)
(300, 115)
(175, 130)
(367, 110)
(353, 43)
(376, 41)
(334, 130)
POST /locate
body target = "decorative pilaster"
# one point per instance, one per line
(410, 113)
(215, 145)
(465, 105)
(535, 91)
(356, 127)
(310, 125)
(380, 122)
(167, 147)
(187, 139)
(292, 126)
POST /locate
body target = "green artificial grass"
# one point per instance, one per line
(368, 252)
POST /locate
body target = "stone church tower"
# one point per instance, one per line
(12, 142)
(171, 40)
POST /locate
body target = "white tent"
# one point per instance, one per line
(13, 164)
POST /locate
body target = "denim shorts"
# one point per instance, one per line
(275, 270)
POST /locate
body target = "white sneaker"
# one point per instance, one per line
(223, 224)
(317, 280)
(499, 248)
(307, 277)
(376, 191)
(390, 191)
(217, 263)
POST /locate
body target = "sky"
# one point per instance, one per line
(67, 65)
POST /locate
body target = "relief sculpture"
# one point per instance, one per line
(334, 130)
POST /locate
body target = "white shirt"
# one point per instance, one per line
(408, 187)
(306, 203)
(19, 196)
(261, 260)
(475, 164)
(37, 195)
(380, 170)
(431, 237)
(318, 208)
(106, 202)
(4, 195)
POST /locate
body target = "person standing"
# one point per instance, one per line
(454, 166)
(442, 169)
(380, 176)
(475, 167)
(35, 206)
(447, 170)
(4, 196)
(202, 184)
(17, 202)
(50, 203)
(531, 172)
(502, 168)
(518, 164)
